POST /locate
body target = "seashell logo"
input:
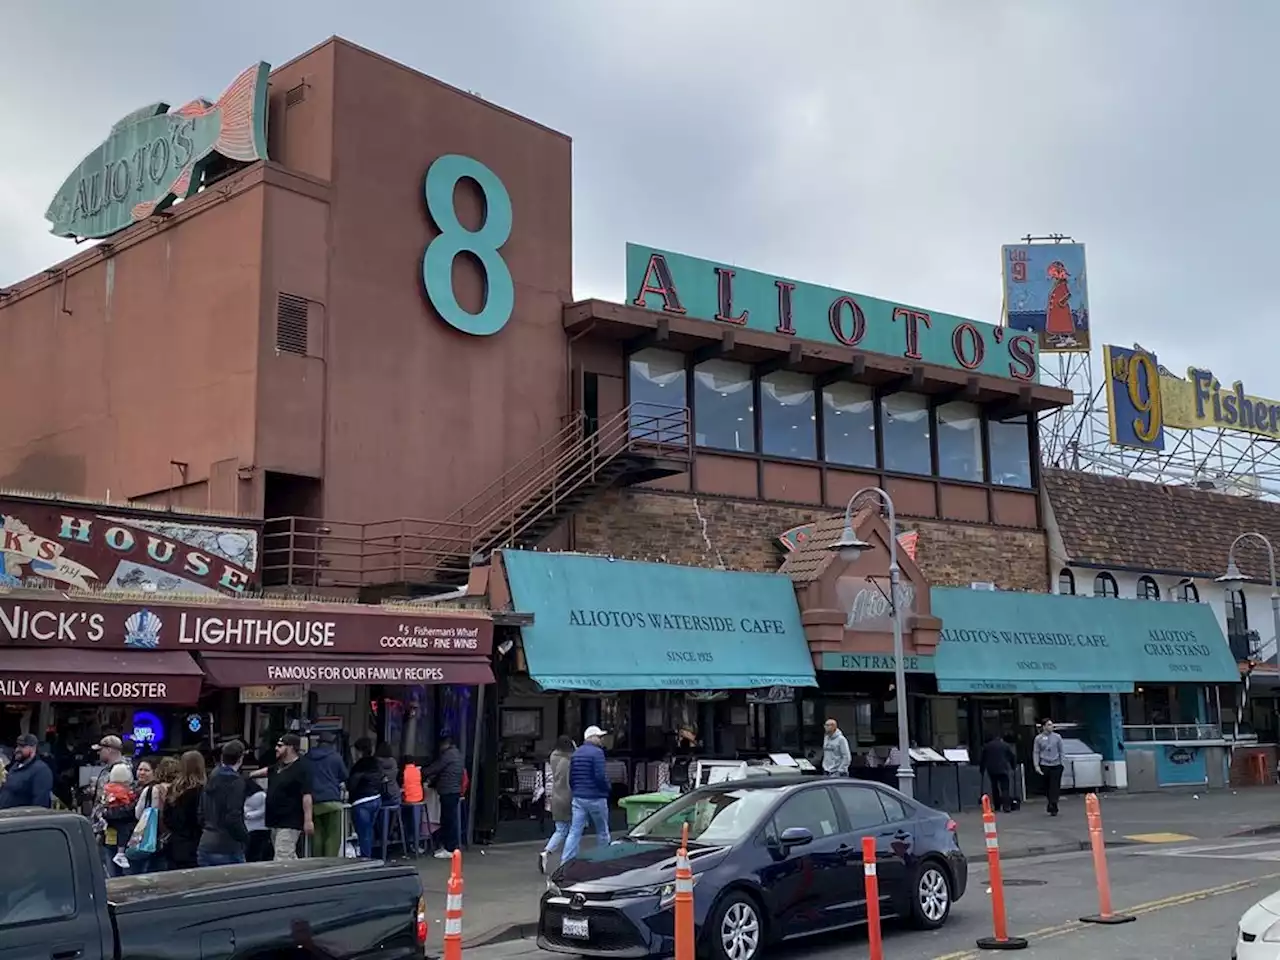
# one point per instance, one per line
(142, 630)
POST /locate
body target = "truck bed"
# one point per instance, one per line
(340, 908)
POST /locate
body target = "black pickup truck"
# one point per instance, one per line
(56, 904)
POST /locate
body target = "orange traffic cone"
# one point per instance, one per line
(999, 921)
(685, 948)
(453, 911)
(1093, 810)
(872, 882)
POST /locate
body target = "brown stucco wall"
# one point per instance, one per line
(421, 416)
(743, 535)
(136, 353)
(168, 351)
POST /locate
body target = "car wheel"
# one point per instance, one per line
(930, 896)
(737, 929)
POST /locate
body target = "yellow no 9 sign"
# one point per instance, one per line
(1134, 404)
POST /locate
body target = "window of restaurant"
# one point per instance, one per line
(788, 421)
(1148, 589)
(777, 415)
(1104, 585)
(1151, 705)
(904, 428)
(1237, 614)
(723, 406)
(772, 727)
(1187, 593)
(657, 381)
(1009, 443)
(849, 424)
(960, 441)
(1067, 583)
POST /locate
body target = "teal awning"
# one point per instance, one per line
(1005, 642)
(602, 624)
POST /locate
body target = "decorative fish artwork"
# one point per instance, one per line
(154, 157)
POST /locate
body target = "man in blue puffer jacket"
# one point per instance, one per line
(590, 788)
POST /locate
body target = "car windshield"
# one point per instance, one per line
(714, 816)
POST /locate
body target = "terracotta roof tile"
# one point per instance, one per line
(808, 562)
(1137, 525)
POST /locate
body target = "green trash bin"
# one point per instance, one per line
(641, 805)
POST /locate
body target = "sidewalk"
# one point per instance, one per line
(502, 883)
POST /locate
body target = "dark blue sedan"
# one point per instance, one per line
(773, 859)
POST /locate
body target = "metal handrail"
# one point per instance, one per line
(1164, 732)
(358, 554)
(568, 437)
(626, 431)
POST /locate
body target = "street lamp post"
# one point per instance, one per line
(1233, 577)
(850, 547)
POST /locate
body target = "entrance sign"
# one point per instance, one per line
(705, 290)
(153, 157)
(877, 662)
(1143, 399)
(483, 244)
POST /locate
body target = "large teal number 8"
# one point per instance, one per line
(483, 244)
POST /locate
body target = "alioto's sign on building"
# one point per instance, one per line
(702, 289)
(1143, 398)
(153, 157)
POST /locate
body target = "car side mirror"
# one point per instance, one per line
(795, 837)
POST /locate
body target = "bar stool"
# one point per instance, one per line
(392, 824)
(416, 811)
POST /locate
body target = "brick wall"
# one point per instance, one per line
(1242, 771)
(742, 535)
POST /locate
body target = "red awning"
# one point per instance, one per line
(65, 675)
(232, 670)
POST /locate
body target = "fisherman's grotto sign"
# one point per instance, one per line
(153, 157)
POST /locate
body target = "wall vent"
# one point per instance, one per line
(295, 95)
(291, 324)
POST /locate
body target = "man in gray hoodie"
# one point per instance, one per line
(836, 755)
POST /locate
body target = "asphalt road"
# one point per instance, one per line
(1187, 898)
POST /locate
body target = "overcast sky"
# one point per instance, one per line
(885, 148)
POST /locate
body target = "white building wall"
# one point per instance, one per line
(1257, 598)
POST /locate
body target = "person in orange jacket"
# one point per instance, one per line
(412, 781)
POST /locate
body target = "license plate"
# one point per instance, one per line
(575, 927)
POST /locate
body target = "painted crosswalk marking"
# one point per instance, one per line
(1248, 849)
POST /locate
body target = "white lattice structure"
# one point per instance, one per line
(1078, 438)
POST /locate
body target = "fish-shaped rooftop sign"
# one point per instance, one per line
(153, 157)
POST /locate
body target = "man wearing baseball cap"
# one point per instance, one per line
(30, 780)
(111, 755)
(590, 788)
(289, 797)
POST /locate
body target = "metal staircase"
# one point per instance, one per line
(641, 442)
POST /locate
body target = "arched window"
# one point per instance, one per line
(1148, 589)
(1104, 585)
(1237, 614)
(1067, 583)
(1187, 593)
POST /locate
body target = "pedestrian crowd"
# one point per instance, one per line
(173, 813)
